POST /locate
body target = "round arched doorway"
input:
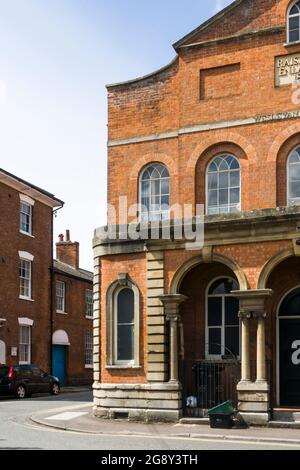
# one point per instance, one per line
(289, 349)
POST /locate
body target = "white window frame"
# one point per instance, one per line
(289, 199)
(88, 304)
(29, 215)
(63, 297)
(218, 357)
(29, 279)
(111, 338)
(88, 350)
(28, 327)
(238, 205)
(288, 24)
(161, 214)
(117, 361)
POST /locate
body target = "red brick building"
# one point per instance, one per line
(219, 126)
(72, 350)
(25, 271)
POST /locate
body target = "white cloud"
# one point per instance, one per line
(219, 5)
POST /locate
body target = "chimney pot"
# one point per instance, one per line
(67, 235)
(61, 237)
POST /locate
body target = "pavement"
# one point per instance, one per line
(79, 418)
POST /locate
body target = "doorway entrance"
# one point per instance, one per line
(289, 350)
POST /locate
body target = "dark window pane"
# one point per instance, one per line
(214, 311)
(291, 304)
(231, 311)
(214, 341)
(165, 186)
(294, 22)
(224, 180)
(232, 341)
(234, 179)
(294, 10)
(294, 35)
(125, 306)
(213, 181)
(294, 190)
(212, 198)
(223, 196)
(125, 342)
(223, 286)
(294, 171)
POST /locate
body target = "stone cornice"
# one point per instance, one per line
(244, 227)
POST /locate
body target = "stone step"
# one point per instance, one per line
(284, 424)
(194, 421)
(286, 415)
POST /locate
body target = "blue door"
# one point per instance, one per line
(59, 363)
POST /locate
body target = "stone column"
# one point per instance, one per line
(261, 375)
(253, 397)
(245, 366)
(171, 305)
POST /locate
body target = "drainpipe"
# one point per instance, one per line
(52, 286)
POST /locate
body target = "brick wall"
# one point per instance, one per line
(11, 307)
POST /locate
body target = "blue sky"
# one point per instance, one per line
(55, 58)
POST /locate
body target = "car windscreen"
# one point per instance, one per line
(4, 371)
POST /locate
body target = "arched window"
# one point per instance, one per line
(223, 194)
(293, 172)
(155, 193)
(222, 321)
(122, 324)
(293, 22)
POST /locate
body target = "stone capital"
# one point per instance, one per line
(245, 315)
(260, 315)
(252, 302)
(171, 303)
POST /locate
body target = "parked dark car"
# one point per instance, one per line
(24, 380)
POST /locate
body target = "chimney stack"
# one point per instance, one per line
(67, 251)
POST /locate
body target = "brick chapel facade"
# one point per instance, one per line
(219, 127)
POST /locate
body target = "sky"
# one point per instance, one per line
(56, 56)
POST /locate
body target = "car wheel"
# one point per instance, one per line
(55, 389)
(21, 392)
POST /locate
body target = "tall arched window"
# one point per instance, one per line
(293, 22)
(222, 321)
(124, 326)
(293, 172)
(155, 193)
(223, 194)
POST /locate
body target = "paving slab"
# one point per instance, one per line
(80, 418)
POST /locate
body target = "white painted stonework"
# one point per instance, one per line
(2, 353)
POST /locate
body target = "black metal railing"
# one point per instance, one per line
(206, 384)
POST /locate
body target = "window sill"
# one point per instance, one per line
(27, 234)
(89, 318)
(61, 312)
(123, 366)
(290, 44)
(21, 297)
(88, 366)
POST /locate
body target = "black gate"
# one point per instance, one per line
(207, 384)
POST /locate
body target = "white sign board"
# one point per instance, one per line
(287, 69)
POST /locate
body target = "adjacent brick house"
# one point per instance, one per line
(219, 126)
(72, 350)
(25, 271)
